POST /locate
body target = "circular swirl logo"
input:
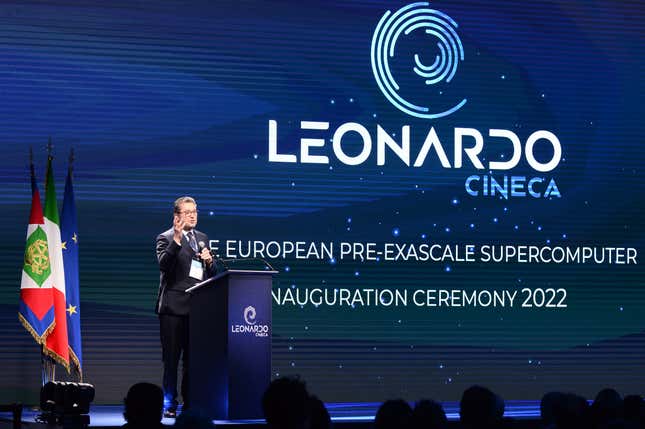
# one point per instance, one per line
(403, 22)
(249, 315)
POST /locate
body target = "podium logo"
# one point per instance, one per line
(391, 27)
(250, 325)
(249, 315)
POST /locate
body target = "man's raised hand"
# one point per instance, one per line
(178, 226)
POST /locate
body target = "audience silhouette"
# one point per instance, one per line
(564, 411)
(143, 406)
(320, 418)
(428, 414)
(480, 408)
(393, 414)
(550, 409)
(288, 405)
(607, 409)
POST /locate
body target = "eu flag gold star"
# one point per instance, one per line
(71, 309)
(75, 238)
(64, 245)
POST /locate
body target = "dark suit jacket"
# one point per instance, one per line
(174, 266)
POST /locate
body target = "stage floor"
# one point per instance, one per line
(343, 414)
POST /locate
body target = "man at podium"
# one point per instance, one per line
(184, 260)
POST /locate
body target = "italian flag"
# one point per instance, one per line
(36, 309)
(56, 344)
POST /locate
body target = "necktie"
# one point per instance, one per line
(192, 241)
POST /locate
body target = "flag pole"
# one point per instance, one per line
(71, 160)
(43, 358)
(70, 262)
(49, 366)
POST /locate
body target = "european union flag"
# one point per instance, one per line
(69, 236)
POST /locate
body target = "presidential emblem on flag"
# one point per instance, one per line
(37, 257)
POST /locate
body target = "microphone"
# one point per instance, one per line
(202, 246)
(216, 260)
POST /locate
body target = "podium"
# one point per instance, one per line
(230, 343)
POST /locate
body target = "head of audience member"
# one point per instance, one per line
(480, 408)
(428, 414)
(551, 408)
(286, 404)
(393, 414)
(574, 413)
(143, 406)
(607, 408)
(319, 416)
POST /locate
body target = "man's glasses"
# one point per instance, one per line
(189, 212)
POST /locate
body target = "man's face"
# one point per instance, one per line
(188, 213)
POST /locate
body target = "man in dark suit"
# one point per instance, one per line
(184, 260)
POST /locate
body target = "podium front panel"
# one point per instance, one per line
(230, 345)
(249, 344)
